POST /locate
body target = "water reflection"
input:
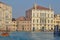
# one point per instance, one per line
(56, 38)
(42, 36)
(30, 36)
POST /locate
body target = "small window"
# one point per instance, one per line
(37, 20)
(48, 21)
(0, 7)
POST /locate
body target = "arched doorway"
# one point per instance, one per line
(33, 28)
(22, 27)
(52, 29)
(43, 28)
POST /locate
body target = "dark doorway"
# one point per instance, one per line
(43, 29)
(33, 28)
(51, 28)
(22, 27)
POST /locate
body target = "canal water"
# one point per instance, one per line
(30, 36)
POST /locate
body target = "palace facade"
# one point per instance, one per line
(5, 16)
(42, 18)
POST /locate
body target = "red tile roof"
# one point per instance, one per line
(23, 19)
(28, 19)
(40, 8)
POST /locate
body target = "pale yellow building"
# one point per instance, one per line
(5, 16)
(57, 19)
(42, 18)
(13, 25)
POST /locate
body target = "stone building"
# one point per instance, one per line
(5, 16)
(23, 24)
(57, 19)
(13, 25)
(42, 18)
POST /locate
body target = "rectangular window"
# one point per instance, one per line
(33, 14)
(37, 24)
(42, 21)
(51, 15)
(33, 20)
(51, 21)
(42, 15)
(37, 14)
(51, 25)
(48, 25)
(48, 15)
(37, 20)
(33, 24)
(48, 21)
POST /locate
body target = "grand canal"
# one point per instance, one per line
(30, 36)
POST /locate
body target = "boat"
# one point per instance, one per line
(5, 33)
(56, 30)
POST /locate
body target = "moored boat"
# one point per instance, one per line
(56, 30)
(5, 33)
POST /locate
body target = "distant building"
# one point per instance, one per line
(57, 19)
(5, 16)
(13, 25)
(23, 24)
(42, 18)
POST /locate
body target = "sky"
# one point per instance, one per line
(19, 7)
